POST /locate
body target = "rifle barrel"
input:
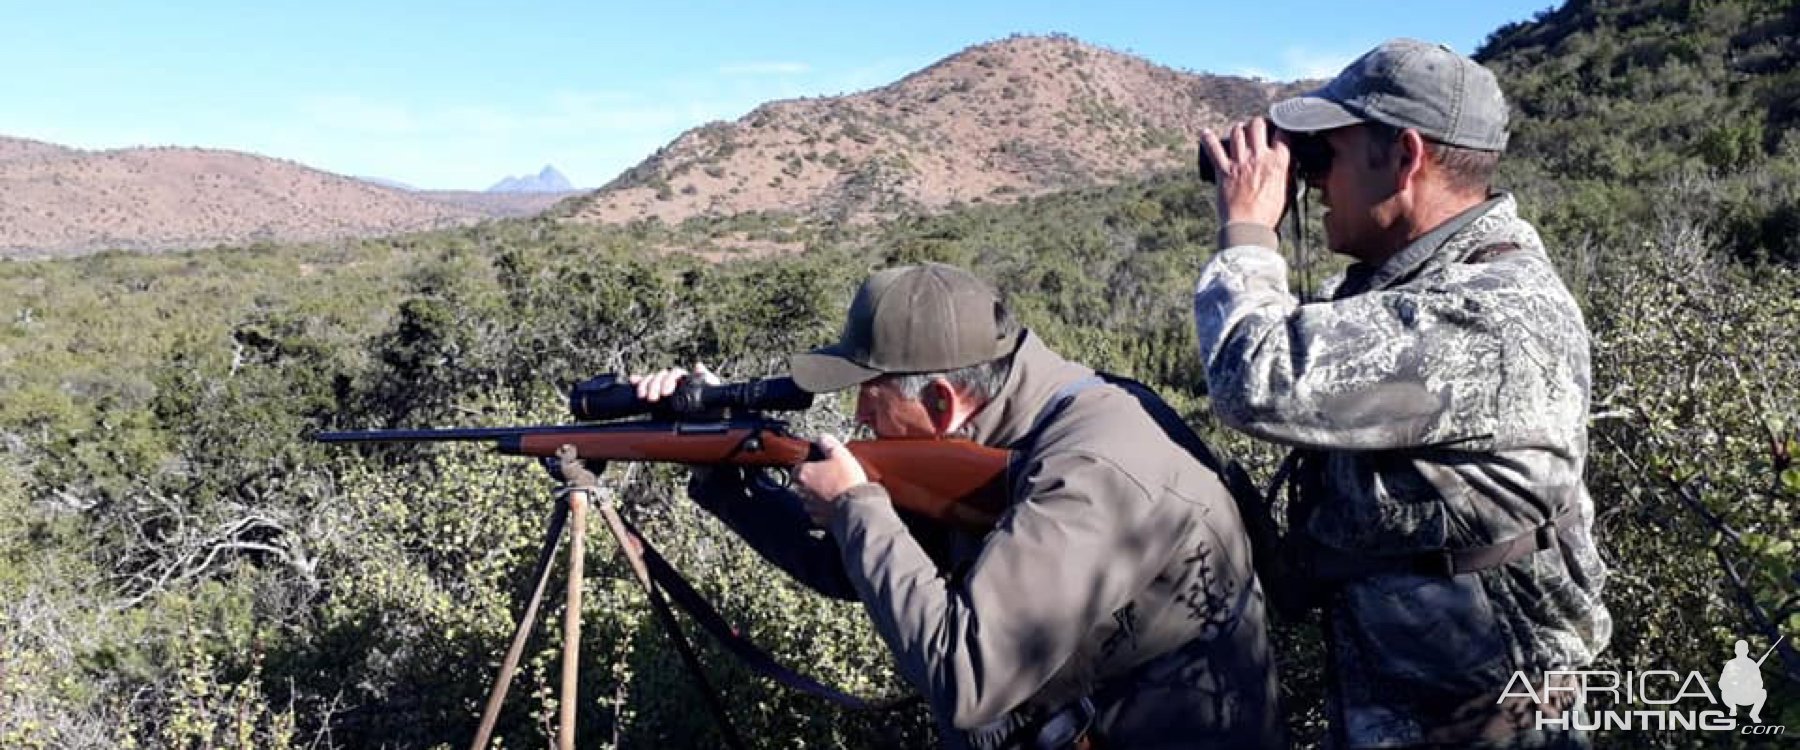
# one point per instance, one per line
(464, 433)
(645, 427)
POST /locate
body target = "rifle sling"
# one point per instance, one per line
(691, 601)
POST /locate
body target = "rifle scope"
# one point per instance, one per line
(610, 397)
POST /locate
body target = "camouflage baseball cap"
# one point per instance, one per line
(1407, 83)
(928, 318)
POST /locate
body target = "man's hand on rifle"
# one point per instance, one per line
(820, 483)
(658, 385)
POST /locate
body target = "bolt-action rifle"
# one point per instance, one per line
(956, 482)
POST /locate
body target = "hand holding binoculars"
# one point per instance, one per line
(1310, 156)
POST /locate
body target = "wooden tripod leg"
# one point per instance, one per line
(497, 694)
(571, 661)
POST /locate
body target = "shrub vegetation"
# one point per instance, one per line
(180, 567)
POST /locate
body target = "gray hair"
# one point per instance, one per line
(981, 381)
(1467, 170)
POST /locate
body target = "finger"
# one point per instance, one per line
(1280, 141)
(1215, 151)
(1239, 142)
(645, 384)
(665, 382)
(802, 478)
(706, 375)
(653, 390)
(829, 444)
(1259, 135)
(673, 382)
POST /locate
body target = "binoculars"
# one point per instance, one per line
(1311, 157)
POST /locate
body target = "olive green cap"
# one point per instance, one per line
(911, 319)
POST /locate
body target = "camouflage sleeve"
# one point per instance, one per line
(1382, 370)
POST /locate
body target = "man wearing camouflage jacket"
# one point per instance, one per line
(1436, 398)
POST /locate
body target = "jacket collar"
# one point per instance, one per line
(1361, 277)
(1037, 374)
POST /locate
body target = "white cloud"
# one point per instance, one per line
(1300, 64)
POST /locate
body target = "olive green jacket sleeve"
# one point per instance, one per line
(1056, 565)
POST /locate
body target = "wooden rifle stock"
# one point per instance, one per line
(956, 482)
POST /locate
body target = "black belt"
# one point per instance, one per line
(1336, 565)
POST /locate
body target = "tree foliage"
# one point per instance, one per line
(180, 567)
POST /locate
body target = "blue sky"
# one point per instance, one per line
(456, 95)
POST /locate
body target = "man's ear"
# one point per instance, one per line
(941, 404)
(1411, 153)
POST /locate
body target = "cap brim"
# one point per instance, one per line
(825, 371)
(1311, 114)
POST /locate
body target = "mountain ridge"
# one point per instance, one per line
(547, 180)
(994, 122)
(56, 200)
(1001, 120)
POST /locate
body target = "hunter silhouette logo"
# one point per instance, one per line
(1740, 682)
(1651, 699)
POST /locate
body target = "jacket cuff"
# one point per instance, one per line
(1248, 233)
(863, 505)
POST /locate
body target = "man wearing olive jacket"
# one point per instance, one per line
(1114, 604)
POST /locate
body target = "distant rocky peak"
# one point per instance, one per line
(547, 180)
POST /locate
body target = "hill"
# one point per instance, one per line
(20, 149)
(61, 201)
(1018, 117)
(168, 535)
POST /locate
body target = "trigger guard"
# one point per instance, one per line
(779, 477)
